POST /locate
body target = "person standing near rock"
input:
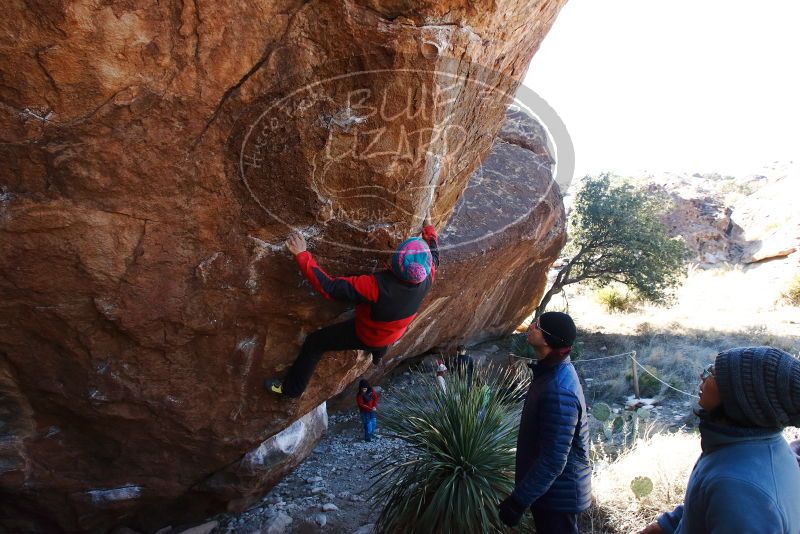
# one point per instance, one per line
(441, 369)
(746, 479)
(465, 365)
(386, 303)
(553, 475)
(367, 401)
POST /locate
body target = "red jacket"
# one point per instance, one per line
(367, 406)
(385, 306)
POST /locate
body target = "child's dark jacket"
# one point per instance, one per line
(366, 405)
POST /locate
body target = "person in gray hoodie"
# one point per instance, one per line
(746, 480)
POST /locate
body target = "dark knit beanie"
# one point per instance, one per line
(759, 386)
(558, 329)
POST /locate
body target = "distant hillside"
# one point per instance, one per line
(733, 219)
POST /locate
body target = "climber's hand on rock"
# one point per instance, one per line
(296, 243)
(427, 221)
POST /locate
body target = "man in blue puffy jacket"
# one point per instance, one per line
(553, 476)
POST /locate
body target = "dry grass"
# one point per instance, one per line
(674, 353)
(666, 458)
(614, 299)
(729, 299)
(792, 293)
(714, 310)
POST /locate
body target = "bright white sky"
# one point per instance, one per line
(675, 85)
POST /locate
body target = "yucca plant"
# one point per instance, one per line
(520, 346)
(463, 463)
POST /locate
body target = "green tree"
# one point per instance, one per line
(616, 235)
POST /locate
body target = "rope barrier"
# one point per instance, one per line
(581, 361)
(643, 368)
(630, 354)
(668, 385)
(604, 357)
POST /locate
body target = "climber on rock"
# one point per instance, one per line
(386, 303)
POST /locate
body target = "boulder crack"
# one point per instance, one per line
(268, 51)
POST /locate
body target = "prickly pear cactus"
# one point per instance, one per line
(617, 423)
(601, 411)
(641, 487)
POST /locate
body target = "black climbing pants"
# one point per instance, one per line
(552, 522)
(339, 336)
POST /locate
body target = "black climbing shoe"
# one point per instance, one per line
(273, 385)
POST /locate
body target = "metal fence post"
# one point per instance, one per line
(635, 375)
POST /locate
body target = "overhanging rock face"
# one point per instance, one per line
(154, 158)
(503, 236)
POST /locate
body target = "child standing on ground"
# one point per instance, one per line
(386, 303)
(367, 400)
(465, 365)
(440, 371)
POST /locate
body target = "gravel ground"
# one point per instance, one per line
(329, 492)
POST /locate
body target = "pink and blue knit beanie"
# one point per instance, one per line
(411, 261)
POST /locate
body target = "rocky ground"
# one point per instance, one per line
(330, 490)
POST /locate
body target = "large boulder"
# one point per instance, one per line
(154, 158)
(705, 226)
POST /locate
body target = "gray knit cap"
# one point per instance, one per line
(759, 386)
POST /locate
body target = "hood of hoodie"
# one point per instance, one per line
(715, 435)
(795, 446)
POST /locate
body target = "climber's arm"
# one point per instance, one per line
(362, 288)
(432, 238)
(357, 289)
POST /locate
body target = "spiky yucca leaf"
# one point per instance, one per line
(521, 347)
(463, 442)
